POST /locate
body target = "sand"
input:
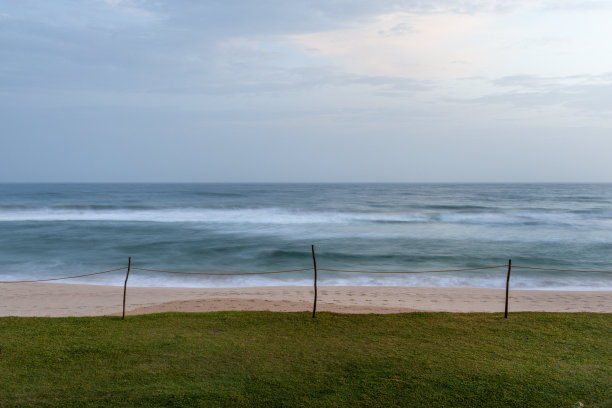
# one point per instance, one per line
(53, 299)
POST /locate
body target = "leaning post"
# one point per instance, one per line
(314, 261)
(127, 275)
(507, 287)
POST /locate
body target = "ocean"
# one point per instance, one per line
(56, 230)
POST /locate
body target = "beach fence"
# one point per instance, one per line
(129, 268)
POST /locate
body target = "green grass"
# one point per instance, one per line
(289, 359)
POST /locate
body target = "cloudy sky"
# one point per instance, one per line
(319, 90)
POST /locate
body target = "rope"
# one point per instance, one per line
(220, 273)
(558, 270)
(445, 270)
(66, 277)
(305, 269)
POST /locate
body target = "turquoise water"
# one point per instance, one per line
(52, 230)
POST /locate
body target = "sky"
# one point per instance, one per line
(305, 91)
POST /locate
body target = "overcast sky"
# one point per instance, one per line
(319, 90)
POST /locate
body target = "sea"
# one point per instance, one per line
(58, 230)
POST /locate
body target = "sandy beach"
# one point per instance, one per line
(55, 300)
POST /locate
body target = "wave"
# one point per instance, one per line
(280, 216)
(457, 207)
(524, 217)
(492, 280)
(213, 194)
(76, 207)
(200, 215)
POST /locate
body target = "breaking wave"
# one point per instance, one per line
(279, 216)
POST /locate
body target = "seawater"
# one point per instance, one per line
(54, 230)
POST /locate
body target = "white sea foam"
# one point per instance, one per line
(214, 216)
(279, 216)
(434, 280)
(523, 217)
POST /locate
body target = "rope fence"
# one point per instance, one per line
(410, 272)
(303, 270)
(66, 277)
(129, 268)
(223, 273)
(560, 270)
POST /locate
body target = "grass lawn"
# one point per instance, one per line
(289, 359)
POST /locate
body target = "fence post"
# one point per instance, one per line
(127, 275)
(314, 261)
(507, 287)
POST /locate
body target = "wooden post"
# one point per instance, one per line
(314, 261)
(507, 287)
(127, 275)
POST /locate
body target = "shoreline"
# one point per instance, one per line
(60, 300)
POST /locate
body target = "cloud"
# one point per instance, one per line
(400, 44)
(384, 56)
(585, 95)
(488, 39)
(108, 51)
